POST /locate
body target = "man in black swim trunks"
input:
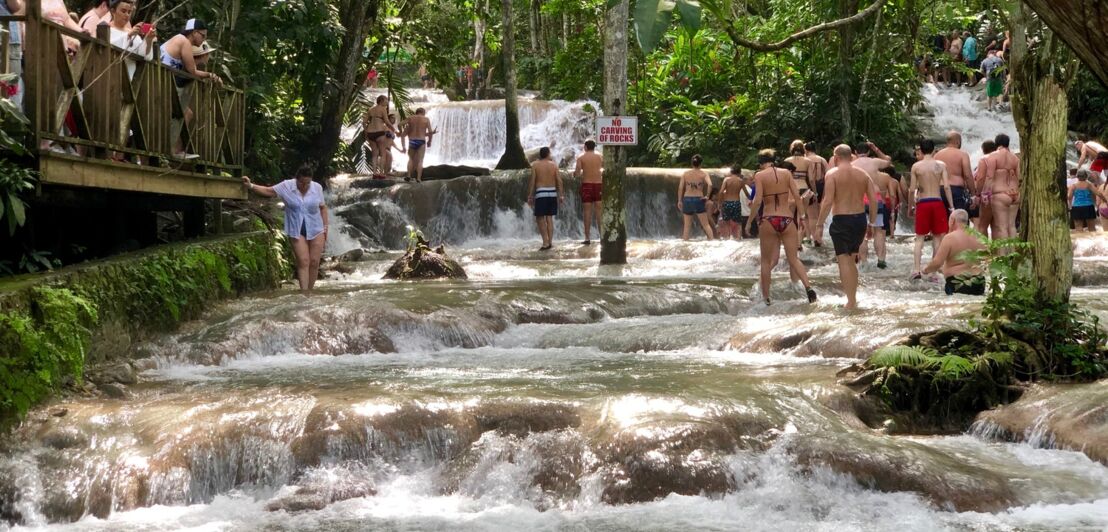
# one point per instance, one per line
(846, 192)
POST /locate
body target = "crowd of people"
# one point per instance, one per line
(958, 58)
(786, 202)
(187, 51)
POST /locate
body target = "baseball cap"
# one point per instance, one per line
(195, 24)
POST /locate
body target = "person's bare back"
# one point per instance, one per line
(951, 251)
(732, 188)
(871, 165)
(957, 165)
(1003, 170)
(847, 187)
(928, 178)
(418, 127)
(546, 174)
(590, 166)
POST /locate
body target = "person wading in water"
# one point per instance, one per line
(775, 198)
(802, 174)
(847, 190)
(306, 221)
(692, 197)
(590, 168)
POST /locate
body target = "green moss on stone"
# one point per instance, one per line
(47, 321)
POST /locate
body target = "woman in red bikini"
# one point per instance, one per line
(775, 202)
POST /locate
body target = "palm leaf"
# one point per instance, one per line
(897, 356)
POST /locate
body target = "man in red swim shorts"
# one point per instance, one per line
(590, 168)
(930, 180)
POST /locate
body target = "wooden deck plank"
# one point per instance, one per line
(58, 169)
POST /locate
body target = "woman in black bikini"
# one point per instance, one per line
(802, 175)
(775, 200)
(377, 126)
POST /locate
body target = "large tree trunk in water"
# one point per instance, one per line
(1040, 76)
(514, 157)
(846, 67)
(338, 93)
(1082, 24)
(613, 226)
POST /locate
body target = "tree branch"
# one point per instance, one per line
(814, 30)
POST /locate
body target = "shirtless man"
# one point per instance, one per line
(958, 168)
(177, 54)
(962, 277)
(544, 194)
(731, 192)
(419, 133)
(930, 180)
(1091, 151)
(846, 190)
(887, 194)
(865, 159)
(590, 168)
(1002, 185)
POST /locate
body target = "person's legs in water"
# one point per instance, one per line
(688, 227)
(315, 254)
(302, 252)
(791, 238)
(879, 234)
(770, 245)
(548, 230)
(847, 233)
(704, 224)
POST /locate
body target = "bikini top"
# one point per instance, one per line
(776, 199)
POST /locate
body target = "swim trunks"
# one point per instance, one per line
(779, 223)
(882, 215)
(961, 197)
(1082, 213)
(847, 232)
(546, 201)
(1100, 163)
(970, 285)
(591, 192)
(931, 217)
(691, 206)
(415, 144)
(732, 211)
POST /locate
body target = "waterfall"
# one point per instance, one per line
(964, 110)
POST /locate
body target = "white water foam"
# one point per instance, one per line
(963, 110)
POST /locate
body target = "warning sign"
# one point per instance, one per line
(617, 130)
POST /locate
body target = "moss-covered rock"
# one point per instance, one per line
(422, 262)
(48, 322)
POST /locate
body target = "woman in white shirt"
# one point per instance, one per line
(306, 221)
(130, 38)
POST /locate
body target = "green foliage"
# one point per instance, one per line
(1088, 100)
(45, 331)
(15, 181)
(13, 124)
(43, 347)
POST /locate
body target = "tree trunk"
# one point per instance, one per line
(847, 8)
(338, 93)
(536, 26)
(1082, 24)
(514, 157)
(613, 228)
(1041, 73)
(472, 90)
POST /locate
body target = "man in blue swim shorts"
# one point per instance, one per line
(419, 133)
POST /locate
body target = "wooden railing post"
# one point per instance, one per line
(5, 40)
(32, 72)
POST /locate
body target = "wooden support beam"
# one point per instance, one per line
(58, 169)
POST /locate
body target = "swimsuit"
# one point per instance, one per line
(694, 205)
(546, 201)
(848, 231)
(931, 217)
(970, 285)
(591, 192)
(779, 223)
(415, 144)
(732, 211)
(1084, 208)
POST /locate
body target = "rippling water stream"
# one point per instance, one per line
(545, 393)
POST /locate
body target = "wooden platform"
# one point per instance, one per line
(68, 170)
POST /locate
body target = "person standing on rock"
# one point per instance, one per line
(419, 133)
(692, 197)
(544, 194)
(846, 193)
(306, 221)
(731, 192)
(590, 168)
(377, 127)
(994, 72)
(776, 196)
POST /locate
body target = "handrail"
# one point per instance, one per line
(93, 99)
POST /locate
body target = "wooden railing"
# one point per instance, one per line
(113, 113)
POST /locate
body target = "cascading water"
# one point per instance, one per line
(548, 393)
(963, 110)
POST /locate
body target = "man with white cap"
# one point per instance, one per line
(178, 53)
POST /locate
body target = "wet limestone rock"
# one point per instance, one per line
(1064, 416)
(446, 171)
(422, 262)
